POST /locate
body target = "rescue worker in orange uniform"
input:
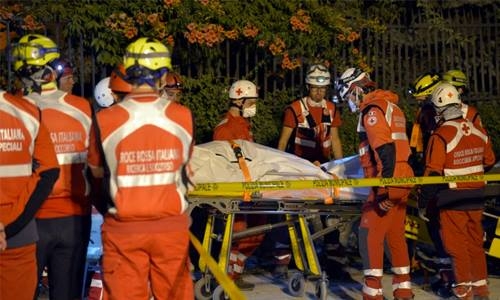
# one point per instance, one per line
(145, 233)
(424, 86)
(63, 220)
(311, 131)
(313, 121)
(382, 124)
(28, 171)
(236, 125)
(173, 88)
(459, 147)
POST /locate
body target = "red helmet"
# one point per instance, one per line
(173, 81)
(117, 82)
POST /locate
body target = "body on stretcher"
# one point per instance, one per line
(215, 162)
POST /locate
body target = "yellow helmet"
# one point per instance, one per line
(455, 77)
(33, 50)
(148, 53)
(425, 84)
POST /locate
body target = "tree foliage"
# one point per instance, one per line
(289, 34)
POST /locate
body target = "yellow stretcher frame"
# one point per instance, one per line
(297, 212)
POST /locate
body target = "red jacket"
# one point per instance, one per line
(383, 124)
(233, 128)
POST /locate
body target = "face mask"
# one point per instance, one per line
(249, 112)
(352, 106)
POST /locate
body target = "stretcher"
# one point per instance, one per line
(299, 215)
(221, 161)
(217, 163)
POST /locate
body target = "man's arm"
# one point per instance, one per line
(286, 132)
(45, 174)
(336, 143)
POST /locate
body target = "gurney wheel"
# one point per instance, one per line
(296, 285)
(322, 289)
(203, 290)
(219, 293)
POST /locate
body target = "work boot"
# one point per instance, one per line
(244, 285)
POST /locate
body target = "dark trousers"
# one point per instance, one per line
(62, 248)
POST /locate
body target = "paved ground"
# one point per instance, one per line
(345, 289)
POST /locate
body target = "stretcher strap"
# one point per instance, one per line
(243, 166)
(417, 140)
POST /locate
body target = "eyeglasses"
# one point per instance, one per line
(317, 67)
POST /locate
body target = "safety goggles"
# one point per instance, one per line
(317, 67)
(26, 51)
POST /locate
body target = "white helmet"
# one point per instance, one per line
(102, 93)
(318, 75)
(243, 89)
(349, 77)
(445, 94)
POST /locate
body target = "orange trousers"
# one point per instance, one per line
(18, 273)
(136, 265)
(376, 233)
(462, 234)
(241, 249)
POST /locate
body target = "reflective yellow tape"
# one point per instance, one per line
(237, 188)
(229, 286)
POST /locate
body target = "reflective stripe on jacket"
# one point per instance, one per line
(312, 136)
(68, 119)
(465, 148)
(384, 122)
(25, 152)
(147, 144)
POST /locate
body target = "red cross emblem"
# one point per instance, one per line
(450, 94)
(239, 91)
(465, 129)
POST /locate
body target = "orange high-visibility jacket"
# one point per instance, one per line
(28, 163)
(68, 119)
(147, 142)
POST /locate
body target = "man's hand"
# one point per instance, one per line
(384, 206)
(422, 214)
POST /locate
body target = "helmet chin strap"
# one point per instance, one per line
(239, 107)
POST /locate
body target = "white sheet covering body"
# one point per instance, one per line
(216, 162)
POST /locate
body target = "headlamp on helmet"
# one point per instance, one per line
(62, 67)
(318, 75)
(173, 81)
(32, 52)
